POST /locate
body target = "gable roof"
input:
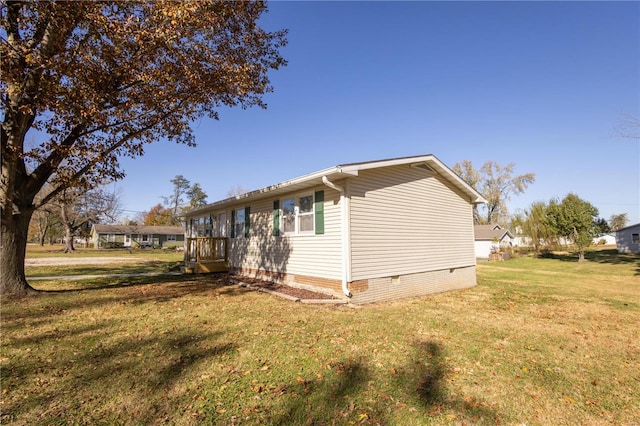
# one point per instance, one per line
(489, 232)
(627, 227)
(428, 162)
(137, 229)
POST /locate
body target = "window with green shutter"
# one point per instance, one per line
(239, 218)
(299, 215)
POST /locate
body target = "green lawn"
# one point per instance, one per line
(126, 261)
(35, 251)
(537, 341)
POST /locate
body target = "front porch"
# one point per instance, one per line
(206, 254)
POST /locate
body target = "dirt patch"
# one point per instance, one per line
(60, 261)
(284, 289)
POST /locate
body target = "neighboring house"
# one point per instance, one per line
(604, 240)
(519, 239)
(490, 238)
(628, 239)
(114, 236)
(370, 231)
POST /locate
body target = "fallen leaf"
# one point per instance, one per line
(280, 390)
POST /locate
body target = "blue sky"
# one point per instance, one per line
(540, 84)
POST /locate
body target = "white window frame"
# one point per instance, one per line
(171, 237)
(297, 214)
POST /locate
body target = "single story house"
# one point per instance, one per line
(115, 236)
(367, 231)
(608, 239)
(490, 238)
(628, 239)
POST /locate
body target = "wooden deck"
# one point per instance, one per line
(206, 254)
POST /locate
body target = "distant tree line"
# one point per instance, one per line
(72, 214)
(571, 220)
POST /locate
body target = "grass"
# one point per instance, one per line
(56, 250)
(537, 341)
(126, 261)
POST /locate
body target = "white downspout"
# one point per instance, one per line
(345, 232)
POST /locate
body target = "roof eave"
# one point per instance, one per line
(344, 171)
(299, 183)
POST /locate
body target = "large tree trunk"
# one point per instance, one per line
(15, 228)
(68, 239)
(68, 228)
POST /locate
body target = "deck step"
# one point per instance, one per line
(205, 267)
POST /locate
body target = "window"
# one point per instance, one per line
(305, 214)
(201, 227)
(240, 222)
(171, 237)
(635, 238)
(297, 215)
(289, 216)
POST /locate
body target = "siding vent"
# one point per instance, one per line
(395, 279)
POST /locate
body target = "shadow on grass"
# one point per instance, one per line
(329, 401)
(198, 282)
(126, 290)
(349, 397)
(428, 372)
(111, 269)
(608, 256)
(134, 366)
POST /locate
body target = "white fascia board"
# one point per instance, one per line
(431, 161)
(343, 171)
(450, 175)
(299, 183)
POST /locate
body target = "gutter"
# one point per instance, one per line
(345, 232)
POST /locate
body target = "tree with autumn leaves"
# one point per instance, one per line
(100, 80)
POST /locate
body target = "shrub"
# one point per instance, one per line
(112, 244)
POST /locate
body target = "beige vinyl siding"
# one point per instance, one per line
(405, 220)
(310, 255)
(624, 239)
(319, 255)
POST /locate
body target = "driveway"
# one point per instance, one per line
(56, 261)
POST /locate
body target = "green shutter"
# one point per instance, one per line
(318, 207)
(247, 214)
(233, 223)
(276, 218)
